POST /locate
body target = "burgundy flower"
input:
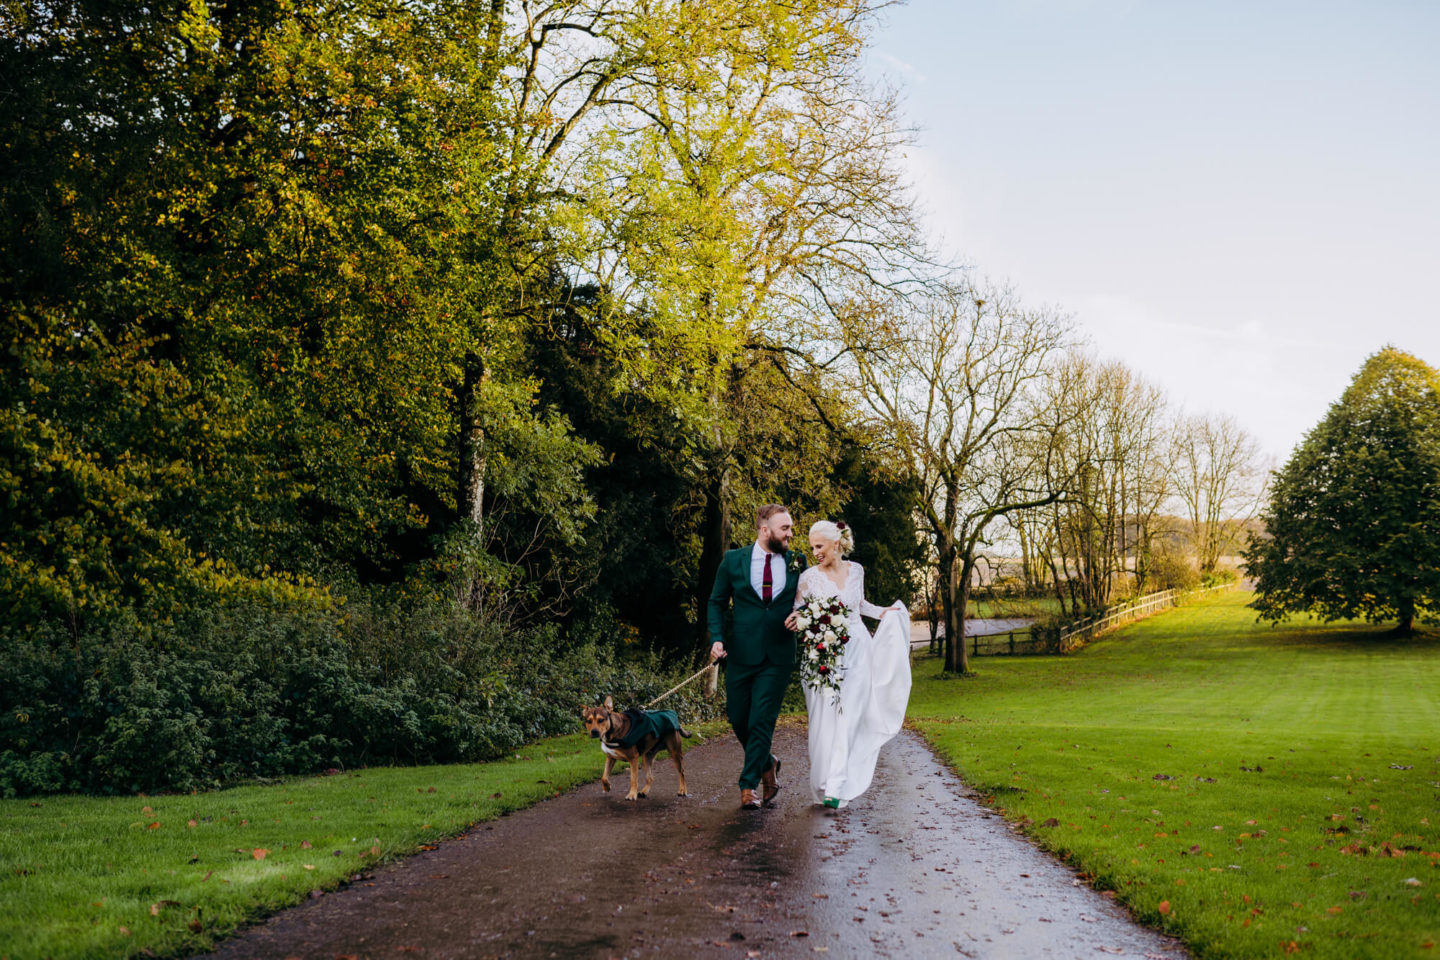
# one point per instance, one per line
(823, 669)
(820, 647)
(825, 618)
(840, 524)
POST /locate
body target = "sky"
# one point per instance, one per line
(1240, 200)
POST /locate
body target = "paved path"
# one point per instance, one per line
(914, 869)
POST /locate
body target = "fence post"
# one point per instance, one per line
(975, 645)
(1012, 643)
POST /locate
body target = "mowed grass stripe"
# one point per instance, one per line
(1326, 844)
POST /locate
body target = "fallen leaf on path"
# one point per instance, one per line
(124, 931)
(154, 826)
(1164, 908)
(259, 853)
(304, 844)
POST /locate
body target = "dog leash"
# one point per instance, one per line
(690, 679)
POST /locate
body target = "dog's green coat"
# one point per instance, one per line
(659, 723)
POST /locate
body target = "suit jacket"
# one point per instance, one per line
(758, 633)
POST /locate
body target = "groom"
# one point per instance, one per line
(760, 654)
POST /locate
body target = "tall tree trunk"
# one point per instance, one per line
(966, 572)
(470, 482)
(470, 489)
(954, 618)
(714, 541)
(1407, 617)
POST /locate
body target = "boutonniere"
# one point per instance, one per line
(797, 562)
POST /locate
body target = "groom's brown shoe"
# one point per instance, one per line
(748, 801)
(769, 780)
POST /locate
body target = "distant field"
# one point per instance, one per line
(1255, 790)
(1002, 609)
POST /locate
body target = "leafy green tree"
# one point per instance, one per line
(251, 251)
(1354, 516)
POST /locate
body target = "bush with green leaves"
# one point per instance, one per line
(263, 690)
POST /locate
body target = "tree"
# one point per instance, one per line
(1354, 516)
(756, 173)
(1106, 432)
(1217, 477)
(951, 380)
(250, 254)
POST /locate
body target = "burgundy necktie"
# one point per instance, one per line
(766, 583)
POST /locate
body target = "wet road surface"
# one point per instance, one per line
(914, 868)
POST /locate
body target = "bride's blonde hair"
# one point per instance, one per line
(836, 532)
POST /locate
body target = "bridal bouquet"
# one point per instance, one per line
(823, 635)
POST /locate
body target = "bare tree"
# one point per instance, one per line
(1219, 480)
(1108, 433)
(951, 378)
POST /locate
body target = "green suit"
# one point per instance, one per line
(760, 654)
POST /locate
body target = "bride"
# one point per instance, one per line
(848, 728)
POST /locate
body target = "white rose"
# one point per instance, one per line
(802, 622)
(814, 654)
(829, 634)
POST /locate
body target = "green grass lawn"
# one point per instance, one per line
(1255, 790)
(112, 877)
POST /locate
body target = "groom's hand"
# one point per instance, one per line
(717, 651)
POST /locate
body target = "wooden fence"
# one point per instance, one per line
(1077, 633)
(1007, 643)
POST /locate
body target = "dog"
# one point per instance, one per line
(612, 728)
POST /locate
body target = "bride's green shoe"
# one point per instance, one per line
(833, 803)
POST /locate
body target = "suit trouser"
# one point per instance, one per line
(753, 694)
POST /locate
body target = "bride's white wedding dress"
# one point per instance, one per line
(847, 732)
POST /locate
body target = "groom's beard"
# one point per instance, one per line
(774, 546)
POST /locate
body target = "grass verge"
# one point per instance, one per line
(1258, 791)
(168, 875)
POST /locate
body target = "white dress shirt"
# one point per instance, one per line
(757, 571)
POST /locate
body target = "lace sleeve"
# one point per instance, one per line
(867, 609)
(802, 587)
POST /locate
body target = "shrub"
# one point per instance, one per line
(265, 690)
